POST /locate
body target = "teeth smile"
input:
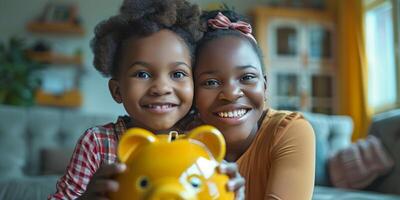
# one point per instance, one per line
(159, 106)
(232, 114)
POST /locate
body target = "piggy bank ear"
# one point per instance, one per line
(132, 140)
(212, 138)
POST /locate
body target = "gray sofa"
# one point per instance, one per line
(386, 126)
(35, 147)
(36, 144)
(333, 133)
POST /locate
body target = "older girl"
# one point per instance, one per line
(273, 149)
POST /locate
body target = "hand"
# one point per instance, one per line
(102, 182)
(236, 182)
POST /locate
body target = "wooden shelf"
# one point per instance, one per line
(71, 99)
(56, 28)
(54, 58)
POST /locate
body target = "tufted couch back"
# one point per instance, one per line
(33, 140)
(332, 133)
(26, 134)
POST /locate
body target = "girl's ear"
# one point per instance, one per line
(113, 86)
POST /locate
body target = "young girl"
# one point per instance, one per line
(273, 149)
(146, 50)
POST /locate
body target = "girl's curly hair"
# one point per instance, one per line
(142, 18)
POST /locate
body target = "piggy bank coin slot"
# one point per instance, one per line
(173, 135)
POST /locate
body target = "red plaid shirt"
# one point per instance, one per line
(96, 146)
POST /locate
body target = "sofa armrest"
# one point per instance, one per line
(386, 126)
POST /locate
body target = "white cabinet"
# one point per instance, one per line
(298, 47)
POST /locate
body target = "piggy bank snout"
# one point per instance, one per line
(170, 191)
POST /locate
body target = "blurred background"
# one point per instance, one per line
(336, 61)
(72, 42)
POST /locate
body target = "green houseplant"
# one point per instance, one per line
(18, 81)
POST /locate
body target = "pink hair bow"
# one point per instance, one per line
(222, 22)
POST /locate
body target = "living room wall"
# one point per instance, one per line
(14, 14)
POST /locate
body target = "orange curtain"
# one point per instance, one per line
(352, 73)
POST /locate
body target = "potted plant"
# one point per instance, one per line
(18, 81)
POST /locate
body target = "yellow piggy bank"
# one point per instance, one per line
(172, 166)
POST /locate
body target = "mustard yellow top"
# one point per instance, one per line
(279, 164)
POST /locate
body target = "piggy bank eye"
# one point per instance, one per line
(195, 181)
(143, 182)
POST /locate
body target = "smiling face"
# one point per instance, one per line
(229, 87)
(154, 82)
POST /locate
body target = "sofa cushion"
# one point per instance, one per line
(359, 165)
(38, 187)
(321, 130)
(330, 193)
(55, 160)
(76, 123)
(73, 126)
(332, 133)
(26, 131)
(321, 167)
(341, 130)
(43, 128)
(12, 142)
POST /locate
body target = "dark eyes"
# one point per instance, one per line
(211, 83)
(142, 74)
(147, 75)
(179, 74)
(248, 77)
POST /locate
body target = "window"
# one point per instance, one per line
(380, 49)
